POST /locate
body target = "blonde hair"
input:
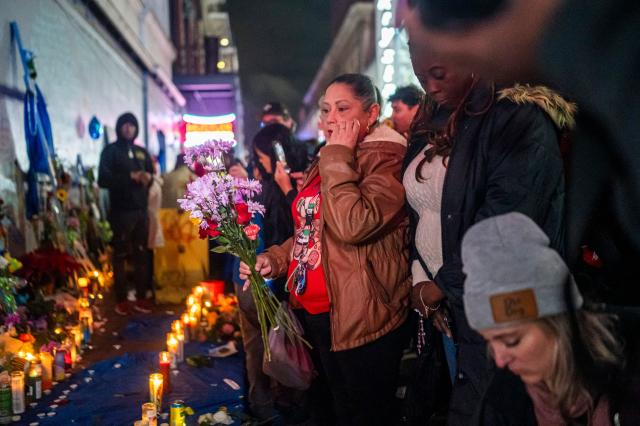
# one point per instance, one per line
(568, 382)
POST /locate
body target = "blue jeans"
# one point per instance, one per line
(450, 353)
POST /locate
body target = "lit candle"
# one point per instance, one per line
(155, 390)
(176, 326)
(47, 369)
(198, 291)
(193, 324)
(180, 337)
(17, 392)
(172, 348)
(59, 365)
(85, 312)
(77, 335)
(178, 330)
(185, 326)
(34, 381)
(29, 358)
(195, 311)
(191, 300)
(83, 285)
(165, 365)
(72, 349)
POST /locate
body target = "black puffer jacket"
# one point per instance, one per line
(506, 159)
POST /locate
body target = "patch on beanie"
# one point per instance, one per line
(515, 306)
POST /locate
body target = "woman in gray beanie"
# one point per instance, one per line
(569, 362)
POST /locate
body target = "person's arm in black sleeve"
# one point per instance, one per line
(525, 167)
(108, 177)
(291, 196)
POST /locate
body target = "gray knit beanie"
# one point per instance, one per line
(512, 273)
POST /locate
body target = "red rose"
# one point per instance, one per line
(26, 337)
(202, 233)
(251, 231)
(210, 231)
(244, 217)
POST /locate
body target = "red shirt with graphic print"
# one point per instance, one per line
(306, 251)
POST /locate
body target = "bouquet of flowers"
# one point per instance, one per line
(223, 206)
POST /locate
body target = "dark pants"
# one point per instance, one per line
(264, 394)
(363, 380)
(474, 371)
(130, 235)
(260, 395)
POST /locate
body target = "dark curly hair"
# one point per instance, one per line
(440, 139)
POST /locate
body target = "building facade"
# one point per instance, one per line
(366, 43)
(206, 71)
(94, 58)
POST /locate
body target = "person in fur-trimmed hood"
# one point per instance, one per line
(475, 151)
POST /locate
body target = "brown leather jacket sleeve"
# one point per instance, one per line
(361, 206)
(279, 255)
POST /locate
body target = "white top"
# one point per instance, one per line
(156, 236)
(426, 199)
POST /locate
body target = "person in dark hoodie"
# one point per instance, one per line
(126, 171)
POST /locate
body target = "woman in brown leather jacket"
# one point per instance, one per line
(348, 258)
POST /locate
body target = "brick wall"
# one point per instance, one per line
(81, 71)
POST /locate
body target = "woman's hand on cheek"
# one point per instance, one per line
(344, 133)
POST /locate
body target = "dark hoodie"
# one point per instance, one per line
(117, 162)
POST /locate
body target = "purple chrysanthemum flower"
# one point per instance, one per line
(209, 154)
(247, 188)
(255, 207)
(208, 197)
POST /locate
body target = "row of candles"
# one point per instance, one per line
(34, 375)
(190, 326)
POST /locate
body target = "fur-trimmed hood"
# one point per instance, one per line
(561, 111)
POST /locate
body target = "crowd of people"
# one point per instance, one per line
(451, 230)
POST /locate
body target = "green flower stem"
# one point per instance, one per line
(269, 309)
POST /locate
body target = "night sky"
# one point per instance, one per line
(281, 44)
